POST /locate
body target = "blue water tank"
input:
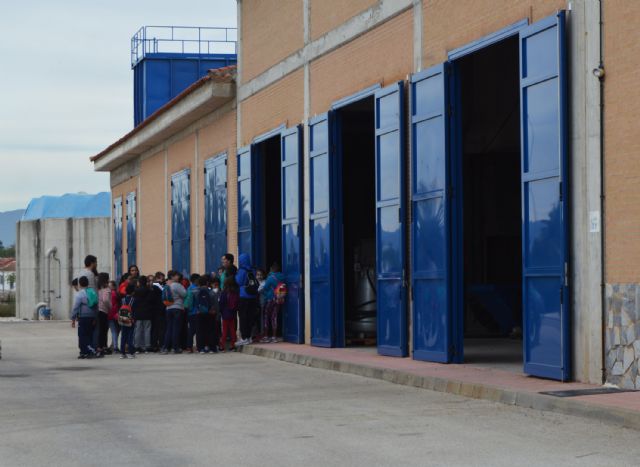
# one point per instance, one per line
(168, 59)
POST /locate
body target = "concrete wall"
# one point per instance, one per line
(74, 239)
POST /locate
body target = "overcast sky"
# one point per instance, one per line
(66, 86)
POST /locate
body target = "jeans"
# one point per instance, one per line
(126, 340)
(271, 318)
(102, 329)
(158, 328)
(143, 334)
(246, 313)
(205, 331)
(114, 327)
(228, 327)
(173, 329)
(85, 335)
(192, 322)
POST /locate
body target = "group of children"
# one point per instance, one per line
(154, 314)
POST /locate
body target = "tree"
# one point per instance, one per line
(8, 252)
(12, 280)
(2, 280)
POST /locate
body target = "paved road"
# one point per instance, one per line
(233, 409)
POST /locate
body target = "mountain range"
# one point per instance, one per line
(8, 221)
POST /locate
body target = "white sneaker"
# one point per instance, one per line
(240, 342)
(274, 340)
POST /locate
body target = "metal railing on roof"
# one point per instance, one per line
(182, 40)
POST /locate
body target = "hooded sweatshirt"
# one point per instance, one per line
(242, 275)
(81, 308)
(269, 287)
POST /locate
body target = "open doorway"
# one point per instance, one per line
(491, 206)
(269, 176)
(357, 156)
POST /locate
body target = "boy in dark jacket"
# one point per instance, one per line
(127, 322)
(272, 307)
(85, 315)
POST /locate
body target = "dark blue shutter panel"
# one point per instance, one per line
(245, 201)
(430, 226)
(181, 222)
(544, 208)
(390, 247)
(292, 235)
(321, 237)
(215, 204)
(117, 238)
(131, 229)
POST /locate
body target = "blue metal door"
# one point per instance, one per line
(544, 199)
(215, 211)
(131, 229)
(292, 248)
(390, 248)
(430, 226)
(117, 238)
(321, 238)
(246, 215)
(181, 222)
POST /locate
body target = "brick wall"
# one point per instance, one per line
(271, 31)
(151, 208)
(329, 14)
(282, 102)
(450, 24)
(383, 55)
(622, 143)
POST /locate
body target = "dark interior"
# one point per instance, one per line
(271, 209)
(490, 111)
(359, 236)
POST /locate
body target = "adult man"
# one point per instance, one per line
(228, 266)
(90, 271)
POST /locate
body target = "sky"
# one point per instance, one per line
(66, 86)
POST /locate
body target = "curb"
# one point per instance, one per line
(606, 414)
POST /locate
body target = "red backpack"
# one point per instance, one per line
(280, 293)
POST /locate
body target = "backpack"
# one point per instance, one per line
(188, 300)
(92, 297)
(167, 295)
(280, 293)
(203, 300)
(251, 284)
(125, 315)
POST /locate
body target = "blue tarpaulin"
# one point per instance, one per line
(78, 205)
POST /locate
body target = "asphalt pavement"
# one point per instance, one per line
(236, 409)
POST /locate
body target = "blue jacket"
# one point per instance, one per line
(269, 287)
(194, 293)
(81, 308)
(241, 275)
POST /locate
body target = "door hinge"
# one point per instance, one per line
(205, 192)
(399, 215)
(225, 184)
(205, 170)
(566, 274)
(452, 350)
(561, 295)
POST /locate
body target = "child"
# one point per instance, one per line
(261, 276)
(217, 319)
(173, 295)
(273, 306)
(204, 314)
(229, 300)
(85, 315)
(125, 319)
(113, 316)
(191, 311)
(104, 307)
(142, 313)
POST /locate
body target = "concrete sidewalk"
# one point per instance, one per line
(621, 408)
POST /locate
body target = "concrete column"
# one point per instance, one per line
(585, 180)
(195, 265)
(167, 210)
(417, 35)
(306, 181)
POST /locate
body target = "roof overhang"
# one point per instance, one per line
(201, 99)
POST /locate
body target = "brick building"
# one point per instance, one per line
(433, 176)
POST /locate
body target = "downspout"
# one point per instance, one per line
(599, 73)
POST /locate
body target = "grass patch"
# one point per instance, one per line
(8, 310)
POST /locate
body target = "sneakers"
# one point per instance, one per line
(164, 352)
(82, 356)
(131, 355)
(123, 356)
(177, 352)
(201, 351)
(274, 340)
(265, 340)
